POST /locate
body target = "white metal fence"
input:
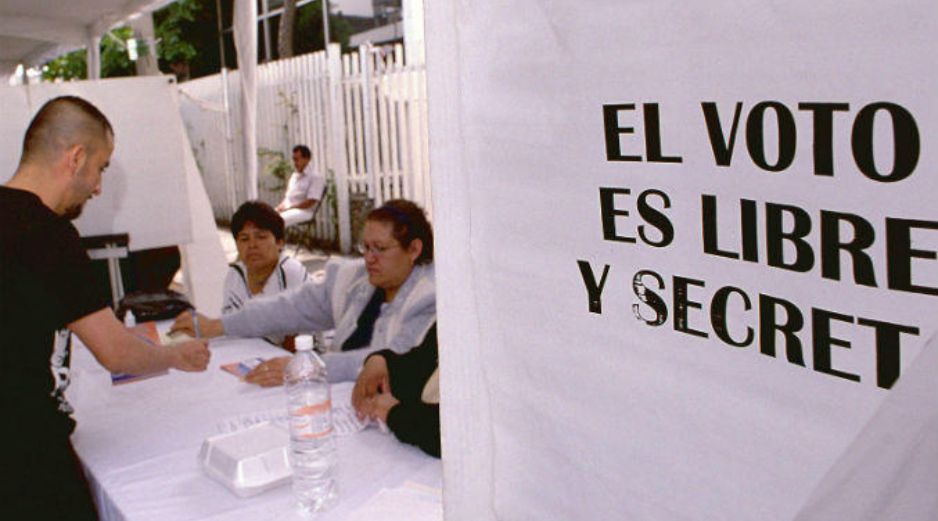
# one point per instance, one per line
(380, 123)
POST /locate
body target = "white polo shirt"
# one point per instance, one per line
(308, 184)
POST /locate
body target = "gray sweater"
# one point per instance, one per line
(336, 302)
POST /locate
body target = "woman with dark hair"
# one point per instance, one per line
(387, 300)
(262, 269)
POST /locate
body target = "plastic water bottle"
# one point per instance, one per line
(312, 441)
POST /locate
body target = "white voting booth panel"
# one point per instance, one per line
(152, 189)
(686, 258)
(145, 182)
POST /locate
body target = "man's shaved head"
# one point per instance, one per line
(62, 123)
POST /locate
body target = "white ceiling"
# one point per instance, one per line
(32, 31)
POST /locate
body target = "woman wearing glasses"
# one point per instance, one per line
(385, 301)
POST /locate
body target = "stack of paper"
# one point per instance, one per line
(344, 420)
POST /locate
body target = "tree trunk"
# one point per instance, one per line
(287, 23)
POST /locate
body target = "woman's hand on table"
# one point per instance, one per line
(378, 406)
(197, 325)
(191, 356)
(372, 380)
(268, 373)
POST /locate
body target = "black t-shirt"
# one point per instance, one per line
(45, 284)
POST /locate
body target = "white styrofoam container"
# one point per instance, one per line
(248, 461)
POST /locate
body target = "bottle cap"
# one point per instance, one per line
(304, 343)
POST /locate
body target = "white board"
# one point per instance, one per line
(144, 190)
(579, 140)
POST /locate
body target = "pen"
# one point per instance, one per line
(144, 338)
(195, 324)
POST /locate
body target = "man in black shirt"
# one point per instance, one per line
(45, 292)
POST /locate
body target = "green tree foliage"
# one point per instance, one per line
(182, 28)
(169, 24)
(308, 36)
(72, 66)
(114, 60)
(188, 32)
(187, 35)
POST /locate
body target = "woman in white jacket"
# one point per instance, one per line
(385, 301)
(262, 268)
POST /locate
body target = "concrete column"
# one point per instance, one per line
(414, 48)
(146, 44)
(94, 57)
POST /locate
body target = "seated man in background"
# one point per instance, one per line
(403, 391)
(304, 189)
(262, 268)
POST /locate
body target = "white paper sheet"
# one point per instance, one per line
(410, 501)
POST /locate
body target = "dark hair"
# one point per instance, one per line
(259, 213)
(303, 150)
(408, 222)
(55, 124)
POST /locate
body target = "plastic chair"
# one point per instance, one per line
(309, 225)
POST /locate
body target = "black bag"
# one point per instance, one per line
(147, 306)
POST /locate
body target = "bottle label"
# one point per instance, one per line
(311, 422)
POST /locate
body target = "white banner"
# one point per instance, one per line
(701, 250)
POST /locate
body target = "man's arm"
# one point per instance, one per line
(416, 423)
(120, 351)
(372, 380)
(197, 325)
(410, 371)
(303, 308)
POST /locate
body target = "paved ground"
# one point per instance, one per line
(313, 260)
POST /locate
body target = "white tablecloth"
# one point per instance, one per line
(140, 441)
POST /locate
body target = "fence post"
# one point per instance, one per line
(371, 139)
(368, 121)
(229, 138)
(337, 148)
